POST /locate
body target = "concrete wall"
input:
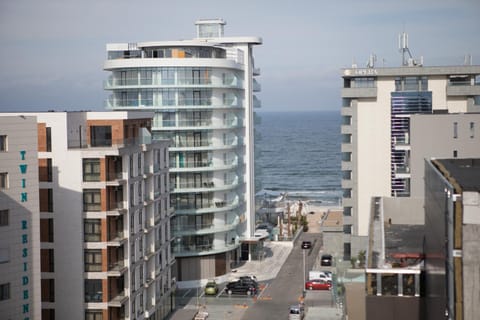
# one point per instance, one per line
(471, 271)
(403, 210)
(20, 239)
(426, 133)
(372, 152)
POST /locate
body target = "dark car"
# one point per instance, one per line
(326, 260)
(242, 286)
(306, 244)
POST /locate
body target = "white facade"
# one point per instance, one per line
(19, 219)
(202, 94)
(105, 217)
(376, 137)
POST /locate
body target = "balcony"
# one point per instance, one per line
(116, 239)
(180, 250)
(116, 269)
(196, 229)
(207, 206)
(463, 89)
(256, 86)
(367, 92)
(205, 165)
(118, 300)
(257, 103)
(108, 143)
(205, 186)
(117, 209)
(113, 83)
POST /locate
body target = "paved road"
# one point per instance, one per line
(287, 288)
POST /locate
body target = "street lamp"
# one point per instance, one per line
(305, 246)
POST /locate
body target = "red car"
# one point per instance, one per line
(318, 284)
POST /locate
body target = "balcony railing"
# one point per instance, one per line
(107, 143)
(113, 83)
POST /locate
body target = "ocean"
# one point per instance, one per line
(299, 153)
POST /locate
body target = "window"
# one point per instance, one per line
(455, 153)
(4, 291)
(3, 180)
(93, 290)
(93, 260)
(4, 255)
(347, 211)
(455, 130)
(46, 200)
(3, 143)
(101, 136)
(47, 260)
(92, 230)
(46, 230)
(91, 200)
(49, 139)
(45, 170)
(48, 290)
(91, 170)
(93, 314)
(472, 130)
(3, 218)
(347, 229)
(48, 314)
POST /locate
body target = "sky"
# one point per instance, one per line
(53, 50)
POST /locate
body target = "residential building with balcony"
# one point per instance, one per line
(202, 95)
(105, 240)
(20, 293)
(392, 118)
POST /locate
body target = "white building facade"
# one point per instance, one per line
(377, 151)
(202, 94)
(104, 217)
(20, 296)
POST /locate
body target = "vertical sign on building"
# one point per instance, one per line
(24, 238)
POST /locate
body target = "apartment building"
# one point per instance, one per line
(379, 107)
(104, 217)
(201, 93)
(20, 294)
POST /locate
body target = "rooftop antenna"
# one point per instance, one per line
(403, 48)
(371, 60)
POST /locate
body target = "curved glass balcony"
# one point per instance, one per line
(180, 250)
(208, 206)
(113, 83)
(203, 103)
(204, 144)
(199, 166)
(181, 229)
(206, 186)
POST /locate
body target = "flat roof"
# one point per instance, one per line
(466, 172)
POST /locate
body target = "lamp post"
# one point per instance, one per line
(305, 246)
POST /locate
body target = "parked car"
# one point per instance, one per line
(318, 284)
(324, 275)
(248, 287)
(296, 312)
(326, 260)
(211, 288)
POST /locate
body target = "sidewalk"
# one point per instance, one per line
(276, 254)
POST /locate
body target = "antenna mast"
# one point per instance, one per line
(403, 47)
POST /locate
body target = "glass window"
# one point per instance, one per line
(93, 314)
(472, 130)
(48, 290)
(46, 230)
(101, 136)
(5, 255)
(3, 180)
(49, 138)
(92, 230)
(93, 290)
(4, 291)
(3, 218)
(3, 143)
(47, 260)
(93, 260)
(91, 200)
(347, 211)
(91, 169)
(455, 130)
